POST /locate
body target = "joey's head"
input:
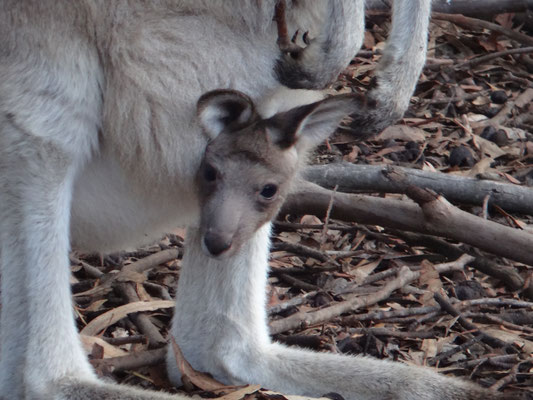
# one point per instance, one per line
(250, 162)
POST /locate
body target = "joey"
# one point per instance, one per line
(250, 162)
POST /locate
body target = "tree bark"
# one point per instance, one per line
(457, 189)
(474, 8)
(435, 216)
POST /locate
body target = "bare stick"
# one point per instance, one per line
(449, 308)
(467, 22)
(393, 179)
(152, 260)
(466, 7)
(141, 320)
(133, 360)
(437, 217)
(480, 60)
(404, 277)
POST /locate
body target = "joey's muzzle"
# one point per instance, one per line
(217, 243)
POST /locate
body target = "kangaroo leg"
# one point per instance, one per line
(39, 340)
(48, 130)
(72, 390)
(221, 327)
(399, 68)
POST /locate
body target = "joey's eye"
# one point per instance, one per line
(210, 173)
(269, 191)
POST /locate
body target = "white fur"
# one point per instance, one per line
(282, 99)
(99, 144)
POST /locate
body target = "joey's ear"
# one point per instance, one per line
(307, 126)
(219, 110)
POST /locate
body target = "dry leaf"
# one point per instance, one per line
(429, 277)
(429, 347)
(310, 220)
(95, 305)
(199, 379)
(510, 338)
(363, 269)
(88, 343)
(402, 132)
(487, 147)
(130, 276)
(101, 322)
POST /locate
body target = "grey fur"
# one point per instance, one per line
(100, 148)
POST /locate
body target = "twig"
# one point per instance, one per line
(443, 268)
(301, 318)
(488, 360)
(468, 22)
(305, 251)
(457, 349)
(151, 261)
(506, 112)
(142, 321)
(295, 301)
(323, 236)
(133, 360)
(298, 283)
(455, 99)
(93, 272)
(511, 377)
(480, 60)
(395, 333)
(118, 341)
(508, 275)
(466, 7)
(352, 320)
(508, 324)
(490, 340)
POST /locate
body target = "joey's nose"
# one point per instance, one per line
(217, 243)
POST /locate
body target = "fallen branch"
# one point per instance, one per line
(404, 277)
(444, 268)
(511, 377)
(303, 251)
(491, 56)
(437, 217)
(395, 333)
(453, 222)
(151, 261)
(132, 361)
(141, 320)
(467, 22)
(466, 7)
(390, 179)
(483, 336)
(509, 276)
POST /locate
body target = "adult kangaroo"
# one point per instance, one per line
(101, 142)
